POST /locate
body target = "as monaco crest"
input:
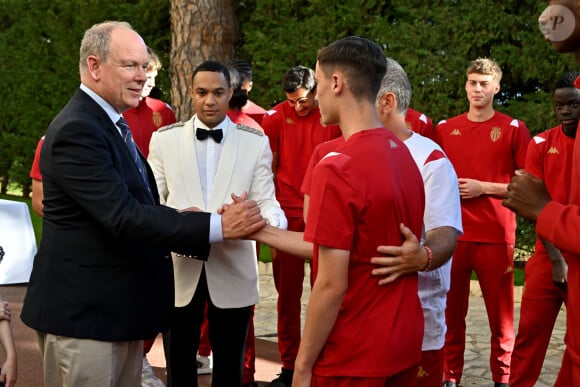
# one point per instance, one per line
(495, 134)
(157, 119)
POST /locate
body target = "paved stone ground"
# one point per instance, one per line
(267, 358)
(476, 371)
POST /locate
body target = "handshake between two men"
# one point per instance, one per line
(242, 218)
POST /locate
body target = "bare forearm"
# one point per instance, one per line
(494, 189)
(325, 301)
(37, 196)
(290, 242)
(553, 253)
(441, 241)
(411, 257)
(323, 307)
(7, 340)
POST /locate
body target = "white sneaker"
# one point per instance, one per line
(148, 377)
(204, 365)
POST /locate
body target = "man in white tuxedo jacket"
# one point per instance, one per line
(200, 163)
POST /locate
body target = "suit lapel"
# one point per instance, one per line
(113, 131)
(225, 169)
(188, 165)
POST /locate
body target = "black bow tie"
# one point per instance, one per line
(203, 134)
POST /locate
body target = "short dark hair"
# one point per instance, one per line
(566, 80)
(361, 60)
(298, 77)
(243, 68)
(215, 67)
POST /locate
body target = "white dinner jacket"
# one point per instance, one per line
(245, 165)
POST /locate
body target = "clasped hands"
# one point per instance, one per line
(240, 218)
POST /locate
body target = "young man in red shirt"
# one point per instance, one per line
(344, 342)
(556, 221)
(485, 148)
(294, 130)
(549, 159)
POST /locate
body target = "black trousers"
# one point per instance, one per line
(228, 329)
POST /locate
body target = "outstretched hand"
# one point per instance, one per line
(241, 218)
(397, 261)
(526, 195)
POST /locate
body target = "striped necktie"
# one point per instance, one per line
(128, 138)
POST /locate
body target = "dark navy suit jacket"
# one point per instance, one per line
(103, 269)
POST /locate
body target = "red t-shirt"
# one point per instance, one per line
(146, 118)
(239, 117)
(363, 192)
(420, 123)
(35, 169)
(294, 138)
(558, 223)
(320, 151)
(254, 110)
(549, 158)
(486, 151)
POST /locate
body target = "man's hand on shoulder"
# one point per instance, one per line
(241, 218)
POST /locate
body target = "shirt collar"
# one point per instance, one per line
(107, 107)
(222, 125)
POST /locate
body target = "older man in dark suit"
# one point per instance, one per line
(104, 233)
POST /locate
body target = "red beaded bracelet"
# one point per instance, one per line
(429, 257)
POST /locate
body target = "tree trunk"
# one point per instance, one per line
(200, 30)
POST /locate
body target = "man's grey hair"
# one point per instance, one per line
(97, 41)
(396, 82)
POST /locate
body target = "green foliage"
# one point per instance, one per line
(434, 41)
(40, 42)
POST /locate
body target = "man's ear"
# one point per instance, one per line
(94, 67)
(337, 82)
(388, 102)
(497, 88)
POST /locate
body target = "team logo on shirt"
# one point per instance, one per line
(157, 119)
(421, 373)
(495, 134)
(553, 151)
(289, 120)
(455, 132)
